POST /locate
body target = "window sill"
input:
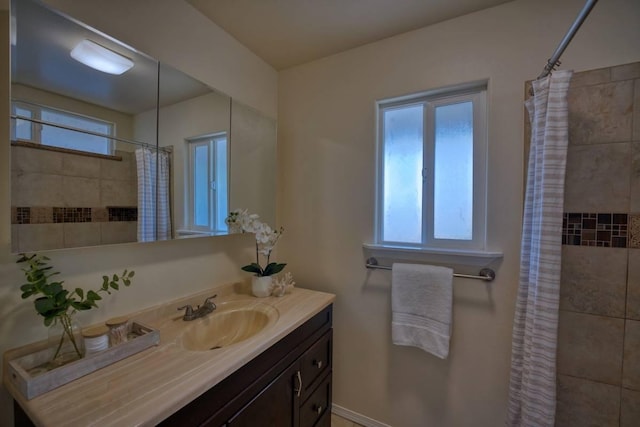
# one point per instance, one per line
(186, 233)
(476, 258)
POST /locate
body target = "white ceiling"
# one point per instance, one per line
(290, 32)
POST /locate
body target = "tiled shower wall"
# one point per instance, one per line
(62, 200)
(599, 328)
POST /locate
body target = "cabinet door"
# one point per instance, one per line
(275, 406)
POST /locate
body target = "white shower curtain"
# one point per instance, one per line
(532, 389)
(154, 220)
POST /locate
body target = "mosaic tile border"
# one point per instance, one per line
(71, 215)
(57, 215)
(608, 230)
(123, 214)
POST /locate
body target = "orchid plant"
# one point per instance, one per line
(266, 239)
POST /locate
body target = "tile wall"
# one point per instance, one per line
(599, 328)
(62, 200)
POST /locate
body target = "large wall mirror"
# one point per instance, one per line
(135, 152)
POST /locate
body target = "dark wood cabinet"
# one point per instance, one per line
(289, 384)
(275, 405)
(294, 398)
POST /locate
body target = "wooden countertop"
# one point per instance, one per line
(149, 386)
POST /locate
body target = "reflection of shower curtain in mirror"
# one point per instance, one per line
(154, 222)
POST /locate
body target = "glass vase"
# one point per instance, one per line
(65, 340)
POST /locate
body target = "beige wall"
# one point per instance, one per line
(326, 197)
(253, 174)
(174, 32)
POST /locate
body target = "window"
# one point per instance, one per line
(432, 170)
(63, 129)
(207, 204)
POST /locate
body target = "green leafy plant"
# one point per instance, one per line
(54, 302)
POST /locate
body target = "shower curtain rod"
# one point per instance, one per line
(554, 61)
(88, 132)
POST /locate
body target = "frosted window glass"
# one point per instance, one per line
(403, 162)
(453, 186)
(63, 138)
(201, 185)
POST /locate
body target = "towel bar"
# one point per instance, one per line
(485, 274)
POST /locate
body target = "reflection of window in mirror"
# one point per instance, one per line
(207, 203)
(65, 129)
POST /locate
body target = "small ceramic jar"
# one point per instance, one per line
(118, 330)
(95, 339)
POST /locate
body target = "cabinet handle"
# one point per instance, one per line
(298, 389)
(317, 363)
(318, 409)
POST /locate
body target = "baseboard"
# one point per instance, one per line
(356, 417)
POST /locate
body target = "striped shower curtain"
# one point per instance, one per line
(154, 219)
(532, 388)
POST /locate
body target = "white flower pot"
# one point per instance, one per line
(235, 228)
(261, 286)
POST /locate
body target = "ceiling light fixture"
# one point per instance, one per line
(100, 58)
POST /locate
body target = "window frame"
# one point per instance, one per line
(37, 124)
(475, 92)
(210, 140)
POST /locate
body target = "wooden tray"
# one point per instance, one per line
(32, 382)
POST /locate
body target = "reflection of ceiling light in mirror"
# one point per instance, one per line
(100, 58)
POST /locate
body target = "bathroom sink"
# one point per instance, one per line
(232, 322)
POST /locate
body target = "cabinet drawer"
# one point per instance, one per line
(317, 405)
(316, 361)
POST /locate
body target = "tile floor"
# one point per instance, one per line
(337, 421)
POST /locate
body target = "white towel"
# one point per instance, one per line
(421, 299)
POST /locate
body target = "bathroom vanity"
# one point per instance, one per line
(287, 385)
(278, 376)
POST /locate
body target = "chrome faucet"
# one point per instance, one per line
(200, 311)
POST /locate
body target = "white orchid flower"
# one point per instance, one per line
(266, 239)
